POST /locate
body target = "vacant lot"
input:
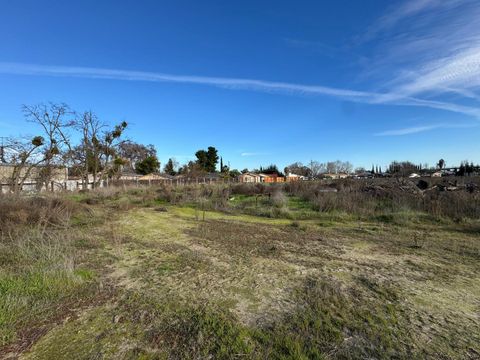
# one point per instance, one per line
(160, 274)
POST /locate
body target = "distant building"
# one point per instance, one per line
(129, 175)
(437, 174)
(294, 177)
(260, 178)
(33, 180)
(336, 176)
(271, 178)
(249, 178)
(58, 174)
(364, 175)
(155, 177)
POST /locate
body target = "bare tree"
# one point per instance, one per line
(299, 169)
(133, 152)
(23, 155)
(331, 167)
(96, 153)
(344, 167)
(111, 143)
(55, 122)
(317, 168)
(85, 156)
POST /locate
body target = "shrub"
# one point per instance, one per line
(16, 211)
(278, 199)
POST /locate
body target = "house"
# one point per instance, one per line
(447, 172)
(266, 178)
(156, 177)
(364, 175)
(249, 178)
(271, 178)
(294, 177)
(336, 176)
(58, 173)
(129, 175)
(34, 179)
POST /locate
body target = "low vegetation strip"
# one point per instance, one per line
(233, 271)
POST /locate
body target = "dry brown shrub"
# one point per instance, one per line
(45, 211)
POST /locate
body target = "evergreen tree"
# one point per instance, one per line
(272, 169)
(202, 159)
(207, 160)
(148, 165)
(441, 164)
(169, 167)
(212, 159)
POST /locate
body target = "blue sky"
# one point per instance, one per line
(263, 81)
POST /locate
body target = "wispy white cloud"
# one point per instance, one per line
(459, 73)
(431, 54)
(397, 13)
(233, 83)
(422, 128)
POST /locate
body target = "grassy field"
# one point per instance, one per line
(208, 273)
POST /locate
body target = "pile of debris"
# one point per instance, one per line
(454, 186)
(419, 187)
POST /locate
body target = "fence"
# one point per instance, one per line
(75, 185)
(174, 181)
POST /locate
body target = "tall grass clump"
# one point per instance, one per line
(37, 260)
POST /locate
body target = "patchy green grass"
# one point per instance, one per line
(98, 333)
(140, 327)
(33, 294)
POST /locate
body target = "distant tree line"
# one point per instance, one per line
(403, 168)
(92, 148)
(467, 169)
(317, 169)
